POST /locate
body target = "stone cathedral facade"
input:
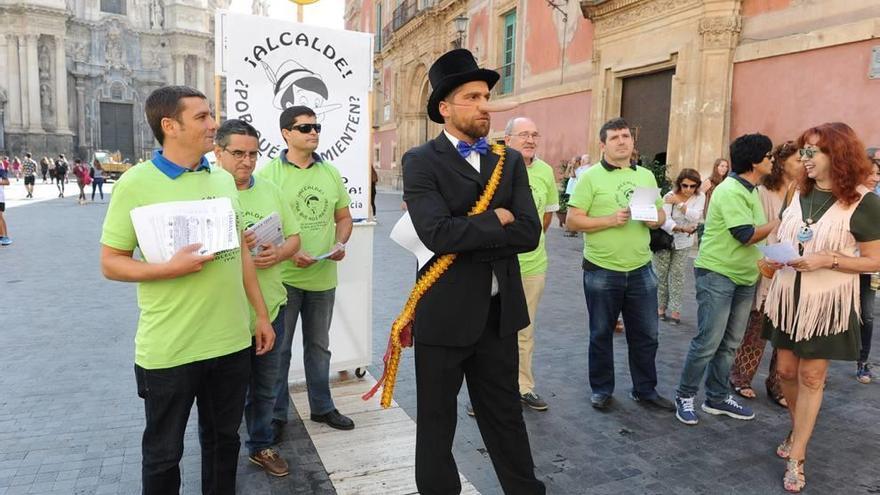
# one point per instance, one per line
(74, 74)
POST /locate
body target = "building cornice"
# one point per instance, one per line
(609, 16)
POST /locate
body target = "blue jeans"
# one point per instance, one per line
(633, 293)
(260, 401)
(316, 308)
(722, 315)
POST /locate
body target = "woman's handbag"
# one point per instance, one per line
(661, 240)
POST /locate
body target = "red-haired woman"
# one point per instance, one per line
(813, 310)
(774, 191)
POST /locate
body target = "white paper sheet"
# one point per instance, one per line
(267, 231)
(642, 204)
(163, 228)
(780, 253)
(404, 234)
(328, 253)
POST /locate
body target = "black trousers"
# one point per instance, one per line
(218, 387)
(491, 367)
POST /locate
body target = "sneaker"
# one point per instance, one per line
(5, 241)
(534, 401)
(728, 407)
(270, 461)
(684, 410)
(863, 373)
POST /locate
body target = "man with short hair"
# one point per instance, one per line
(522, 135)
(29, 169)
(314, 189)
(618, 277)
(192, 342)
(725, 275)
(60, 174)
(237, 148)
(466, 323)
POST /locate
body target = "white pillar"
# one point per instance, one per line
(14, 83)
(179, 76)
(23, 84)
(200, 76)
(171, 69)
(61, 111)
(35, 123)
(81, 113)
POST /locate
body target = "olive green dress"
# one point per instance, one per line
(844, 346)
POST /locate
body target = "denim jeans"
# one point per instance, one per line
(261, 392)
(722, 316)
(316, 308)
(633, 293)
(218, 387)
(867, 303)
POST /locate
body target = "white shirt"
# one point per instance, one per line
(474, 160)
(675, 218)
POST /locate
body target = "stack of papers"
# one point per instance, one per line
(267, 231)
(162, 229)
(643, 204)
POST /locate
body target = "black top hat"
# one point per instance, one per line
(450, 71)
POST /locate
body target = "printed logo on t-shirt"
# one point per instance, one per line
(624, 193)
(312, 206)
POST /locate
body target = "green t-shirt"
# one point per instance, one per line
(543, 185)
(732, 205)
(257, 202)
(600, 192)
(314, 194)
(199, 316)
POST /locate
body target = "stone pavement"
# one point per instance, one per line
(70, 420)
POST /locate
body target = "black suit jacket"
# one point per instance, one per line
(439, 188)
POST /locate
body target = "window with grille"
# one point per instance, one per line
(508, 44)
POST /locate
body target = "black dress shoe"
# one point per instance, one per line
(600, 401)
(658, 402)
(334, 419)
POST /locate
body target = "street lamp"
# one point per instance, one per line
(460, 23)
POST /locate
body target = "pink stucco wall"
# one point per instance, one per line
(782, 96)
(563, 122)
(385, 139)
(757, 7)
(542, 51)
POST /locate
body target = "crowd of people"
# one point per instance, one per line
(216, 329)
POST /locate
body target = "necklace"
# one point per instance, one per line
(806, 231)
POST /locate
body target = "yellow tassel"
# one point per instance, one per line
(425, 282)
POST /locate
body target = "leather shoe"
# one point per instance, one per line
(657, 402)
(600, 401)
(334, 419)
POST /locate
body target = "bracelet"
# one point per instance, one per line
(834, 262)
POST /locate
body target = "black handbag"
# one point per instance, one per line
(661, 240)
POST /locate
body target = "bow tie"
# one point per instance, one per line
(464, 149)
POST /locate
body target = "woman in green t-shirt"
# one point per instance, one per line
(813, 311)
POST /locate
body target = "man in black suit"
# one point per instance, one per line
(466, 324)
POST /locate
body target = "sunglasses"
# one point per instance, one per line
(808, 153)
(240, 155)
(688, 186)
(306, 128)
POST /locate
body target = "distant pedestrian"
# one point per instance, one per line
(5, 164)
(51, 170)
(4, 234)
(60, 174)
(16, 169)
(867, 285)
(374, 179)
(44, 167)
(97, 173)
(29, 171)
(81, 172)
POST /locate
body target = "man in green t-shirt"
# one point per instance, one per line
(237, 148)
(725, 276)
(319, 200)
(193, 342)
(522, 135)
(618, 277)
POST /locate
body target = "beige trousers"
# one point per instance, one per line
(533, 286)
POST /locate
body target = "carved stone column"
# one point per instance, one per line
(200, 76)
(179, 75)
(81, 113)
(61, 112)
(35, 124)
(14, 83)
(23, 85)
(718, 39)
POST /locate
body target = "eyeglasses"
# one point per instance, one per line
(306, 128)
(240, 154)
(688, 186)
(526, 135)
(808, 153)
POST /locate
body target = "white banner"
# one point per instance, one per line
(272, 64)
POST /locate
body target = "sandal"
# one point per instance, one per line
(746, 392)
(784, 448)
(777, 398)
(794, 480)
